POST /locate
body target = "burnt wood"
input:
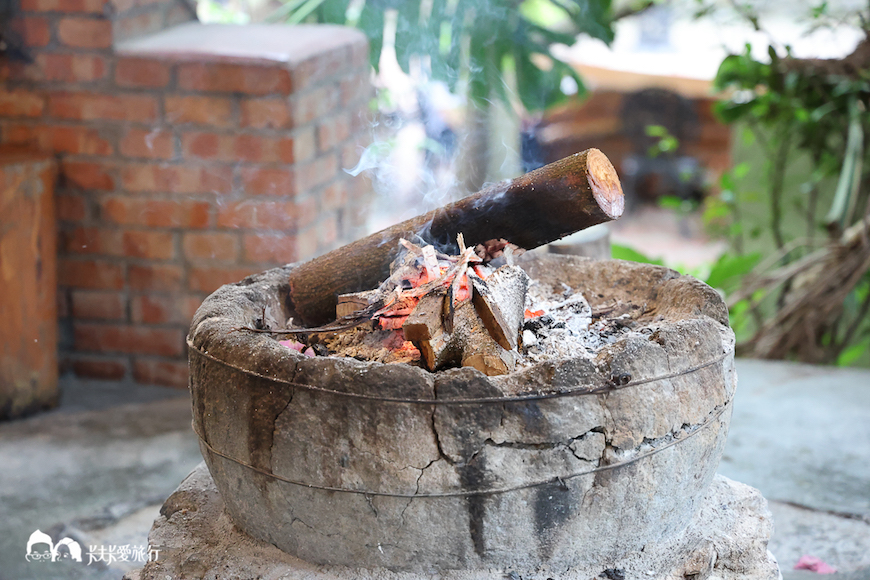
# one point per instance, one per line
(539, 207)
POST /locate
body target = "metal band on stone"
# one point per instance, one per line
(559, 480)
(573, 392)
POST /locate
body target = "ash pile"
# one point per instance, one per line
(477, 308)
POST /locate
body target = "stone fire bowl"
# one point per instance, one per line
(564, 464)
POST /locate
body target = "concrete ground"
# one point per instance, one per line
(97, 468)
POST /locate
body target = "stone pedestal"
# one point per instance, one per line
(28, 284)
(726, 539)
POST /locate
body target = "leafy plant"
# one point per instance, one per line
(807, 299)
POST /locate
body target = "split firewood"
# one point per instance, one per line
(425, 328)
(454, 310)
(500, 303)
(537, 208)
(479, 349)
(351, 303)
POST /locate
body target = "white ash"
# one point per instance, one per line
(566, 329)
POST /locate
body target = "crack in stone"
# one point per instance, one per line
(441, 451)
(310, 527)
(865, 518)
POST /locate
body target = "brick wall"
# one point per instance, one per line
(188, 158)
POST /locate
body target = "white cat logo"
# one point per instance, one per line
(38, 537)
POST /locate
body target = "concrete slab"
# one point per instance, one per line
(801, 435)
(89, 474)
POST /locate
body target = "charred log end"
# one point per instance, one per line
(604, 183)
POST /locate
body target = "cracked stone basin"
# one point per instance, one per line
(367, 465)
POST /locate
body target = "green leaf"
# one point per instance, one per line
(729, 269)
(670, 202)
(371, 22)
(854, 352)
(618, 252)
(409, 41)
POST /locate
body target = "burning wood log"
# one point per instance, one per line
(500, 303)
(479, 349)
(425, 328)
(350, 303)
(537, 208)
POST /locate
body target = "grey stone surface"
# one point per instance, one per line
(412, 486)
(801, 435)
(94, 470)
(841, 542)
(726, 540)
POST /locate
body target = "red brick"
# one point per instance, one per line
(269, 215)
(76, 140)
(91, 240)
(317, 172)
(141, 72)
(268, 181)
(87, 175)
(19, 103)
(212, 246)
(177, 178)
(148, 144)
(209, 279)
(232, 148)
(159, 277)
(332, 131)
(167, 309)
(71, 208)
(267, 248)
(124, 338)
(34, 31)
(313, 105)
(304, 147)
(159, 213)
(199, 111)
(98, 305)
(266, 114)
(204, 145)
(22, 134)
(234, 78)
(95, 274)
(59, 139)
(93, 106)
(168, 373)
(334, 196)
(100, 368)
(90, 6)
(149, 244)
(85, 32)
(71, 68)
(257, 149)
